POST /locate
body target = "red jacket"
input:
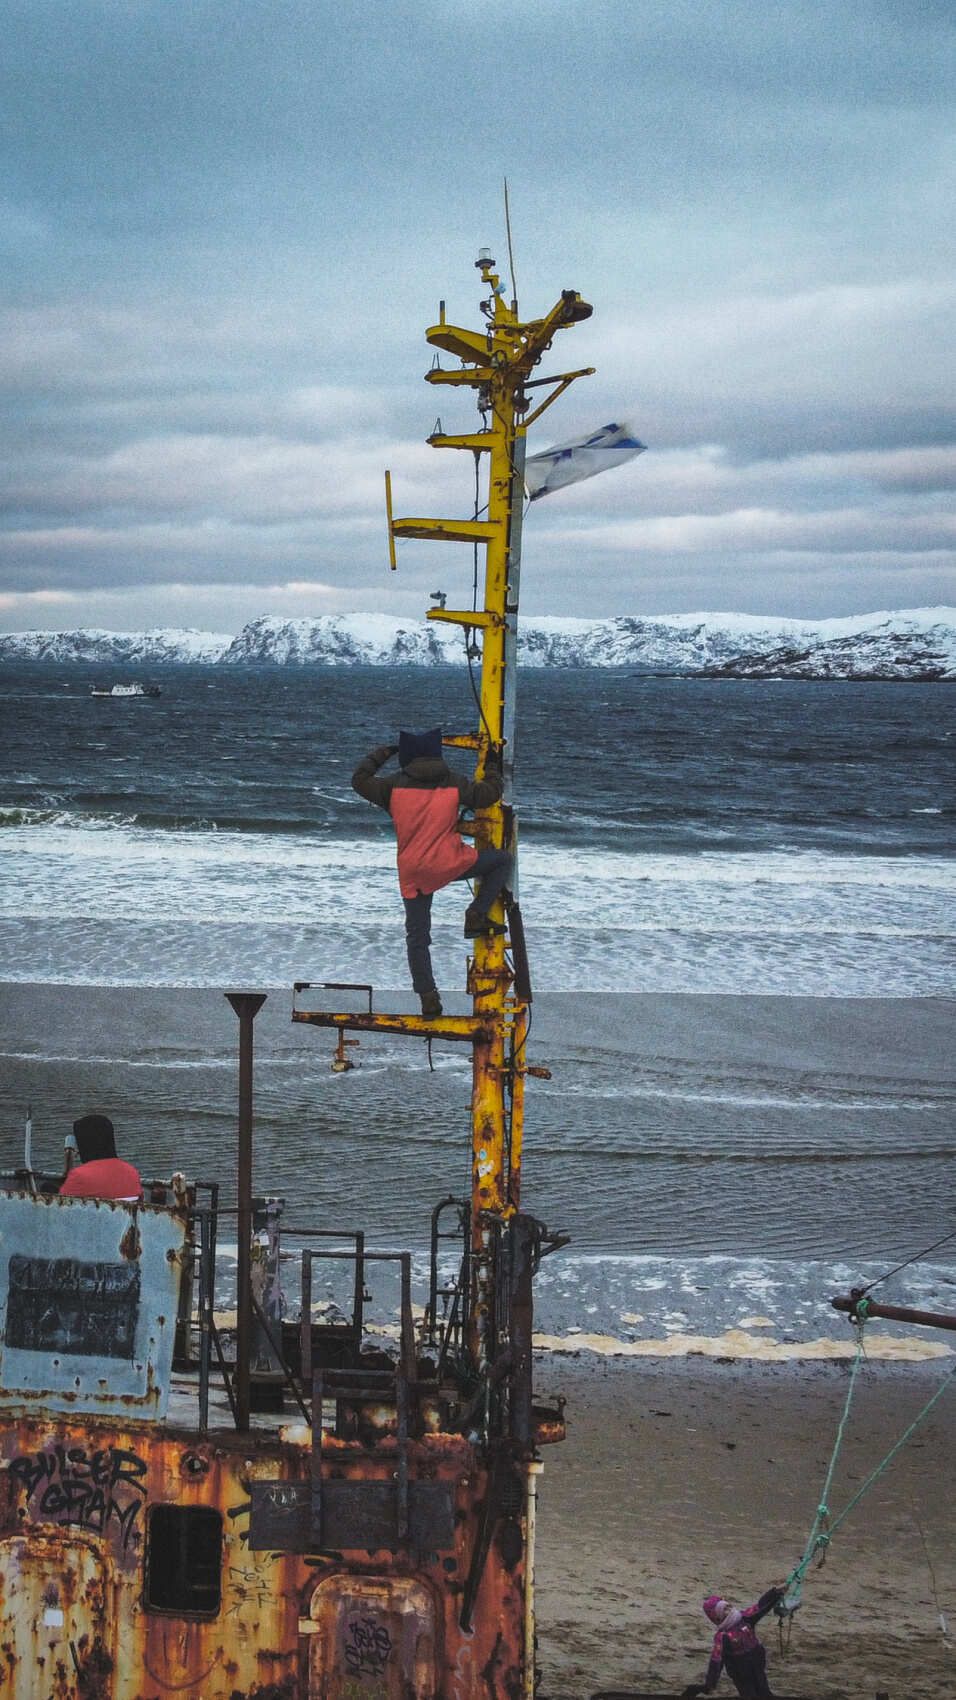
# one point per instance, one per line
(104, 1177)
(423, 801)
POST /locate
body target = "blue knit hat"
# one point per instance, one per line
(414, 744)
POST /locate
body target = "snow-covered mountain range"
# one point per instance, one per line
(910, 643)
(119, 649)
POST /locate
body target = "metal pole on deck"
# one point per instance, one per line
(247, 1006)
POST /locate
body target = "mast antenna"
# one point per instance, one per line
(511, 258)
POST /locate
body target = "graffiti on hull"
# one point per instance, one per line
(90, 1490)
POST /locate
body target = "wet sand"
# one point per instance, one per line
(681, 1478)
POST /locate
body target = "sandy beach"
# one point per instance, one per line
(683, 1477)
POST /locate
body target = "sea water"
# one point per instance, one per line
(782, 851)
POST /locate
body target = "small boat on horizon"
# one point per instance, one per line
(132, 690)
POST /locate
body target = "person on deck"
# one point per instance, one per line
(99, 1172)
(424, 799)
(736, 1649)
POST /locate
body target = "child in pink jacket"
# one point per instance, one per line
(736, 1648)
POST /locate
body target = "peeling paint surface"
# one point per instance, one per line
(75, 1618)
(89, 1292)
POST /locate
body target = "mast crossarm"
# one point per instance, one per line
(476, 375)
(560, 378)
(465, 617)
(469, 1028)
(480, 442)
(536, 336)
(561, 384)
(463, 344)
(446, 530)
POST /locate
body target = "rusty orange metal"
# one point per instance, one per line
(75, 1617)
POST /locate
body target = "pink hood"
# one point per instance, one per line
(721, 1612)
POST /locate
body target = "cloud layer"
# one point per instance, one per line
(226, 226)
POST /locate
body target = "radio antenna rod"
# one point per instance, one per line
(511, 258)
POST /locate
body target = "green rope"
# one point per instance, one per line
(823, 1529)
(819, 1535)
(904, 1437)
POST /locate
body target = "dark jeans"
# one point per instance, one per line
(493, 867)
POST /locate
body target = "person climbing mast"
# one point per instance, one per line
(424, 800)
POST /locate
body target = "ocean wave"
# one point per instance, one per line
(590, 877)
(637, 1298)
(136, 904)
(738, 1344)
(664, 830)
(105, 820)
(54, 944)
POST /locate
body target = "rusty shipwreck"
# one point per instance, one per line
(277, 1507)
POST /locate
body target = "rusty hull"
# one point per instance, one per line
(75, 1501)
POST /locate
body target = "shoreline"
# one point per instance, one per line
(737, 1346)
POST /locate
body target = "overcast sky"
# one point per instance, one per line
(226, 224)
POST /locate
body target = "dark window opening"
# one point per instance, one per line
(184, 1560)
(58, 1305)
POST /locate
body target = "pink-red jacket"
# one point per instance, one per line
(735, 1642)
(103, 1177)
(423, 800)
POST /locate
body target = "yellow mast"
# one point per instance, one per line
(497, 362)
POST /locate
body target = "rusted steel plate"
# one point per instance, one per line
(89, 1289)
(355, 1517)
(80, 1541)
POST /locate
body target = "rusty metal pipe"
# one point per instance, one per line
(530, 1538)
(206, 1289)
(246, 1006)
(894, 1313)
(407, 1320)
(305, 1325)
(358, 1289)
(401, 1472)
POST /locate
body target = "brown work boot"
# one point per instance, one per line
(479, 926)
(431, 1003)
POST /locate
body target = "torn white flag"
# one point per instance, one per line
(568, 463)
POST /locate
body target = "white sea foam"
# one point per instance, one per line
(654, 1304)
(772, 1310)
(132, 905)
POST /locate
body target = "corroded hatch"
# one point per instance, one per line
(372, 1638)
